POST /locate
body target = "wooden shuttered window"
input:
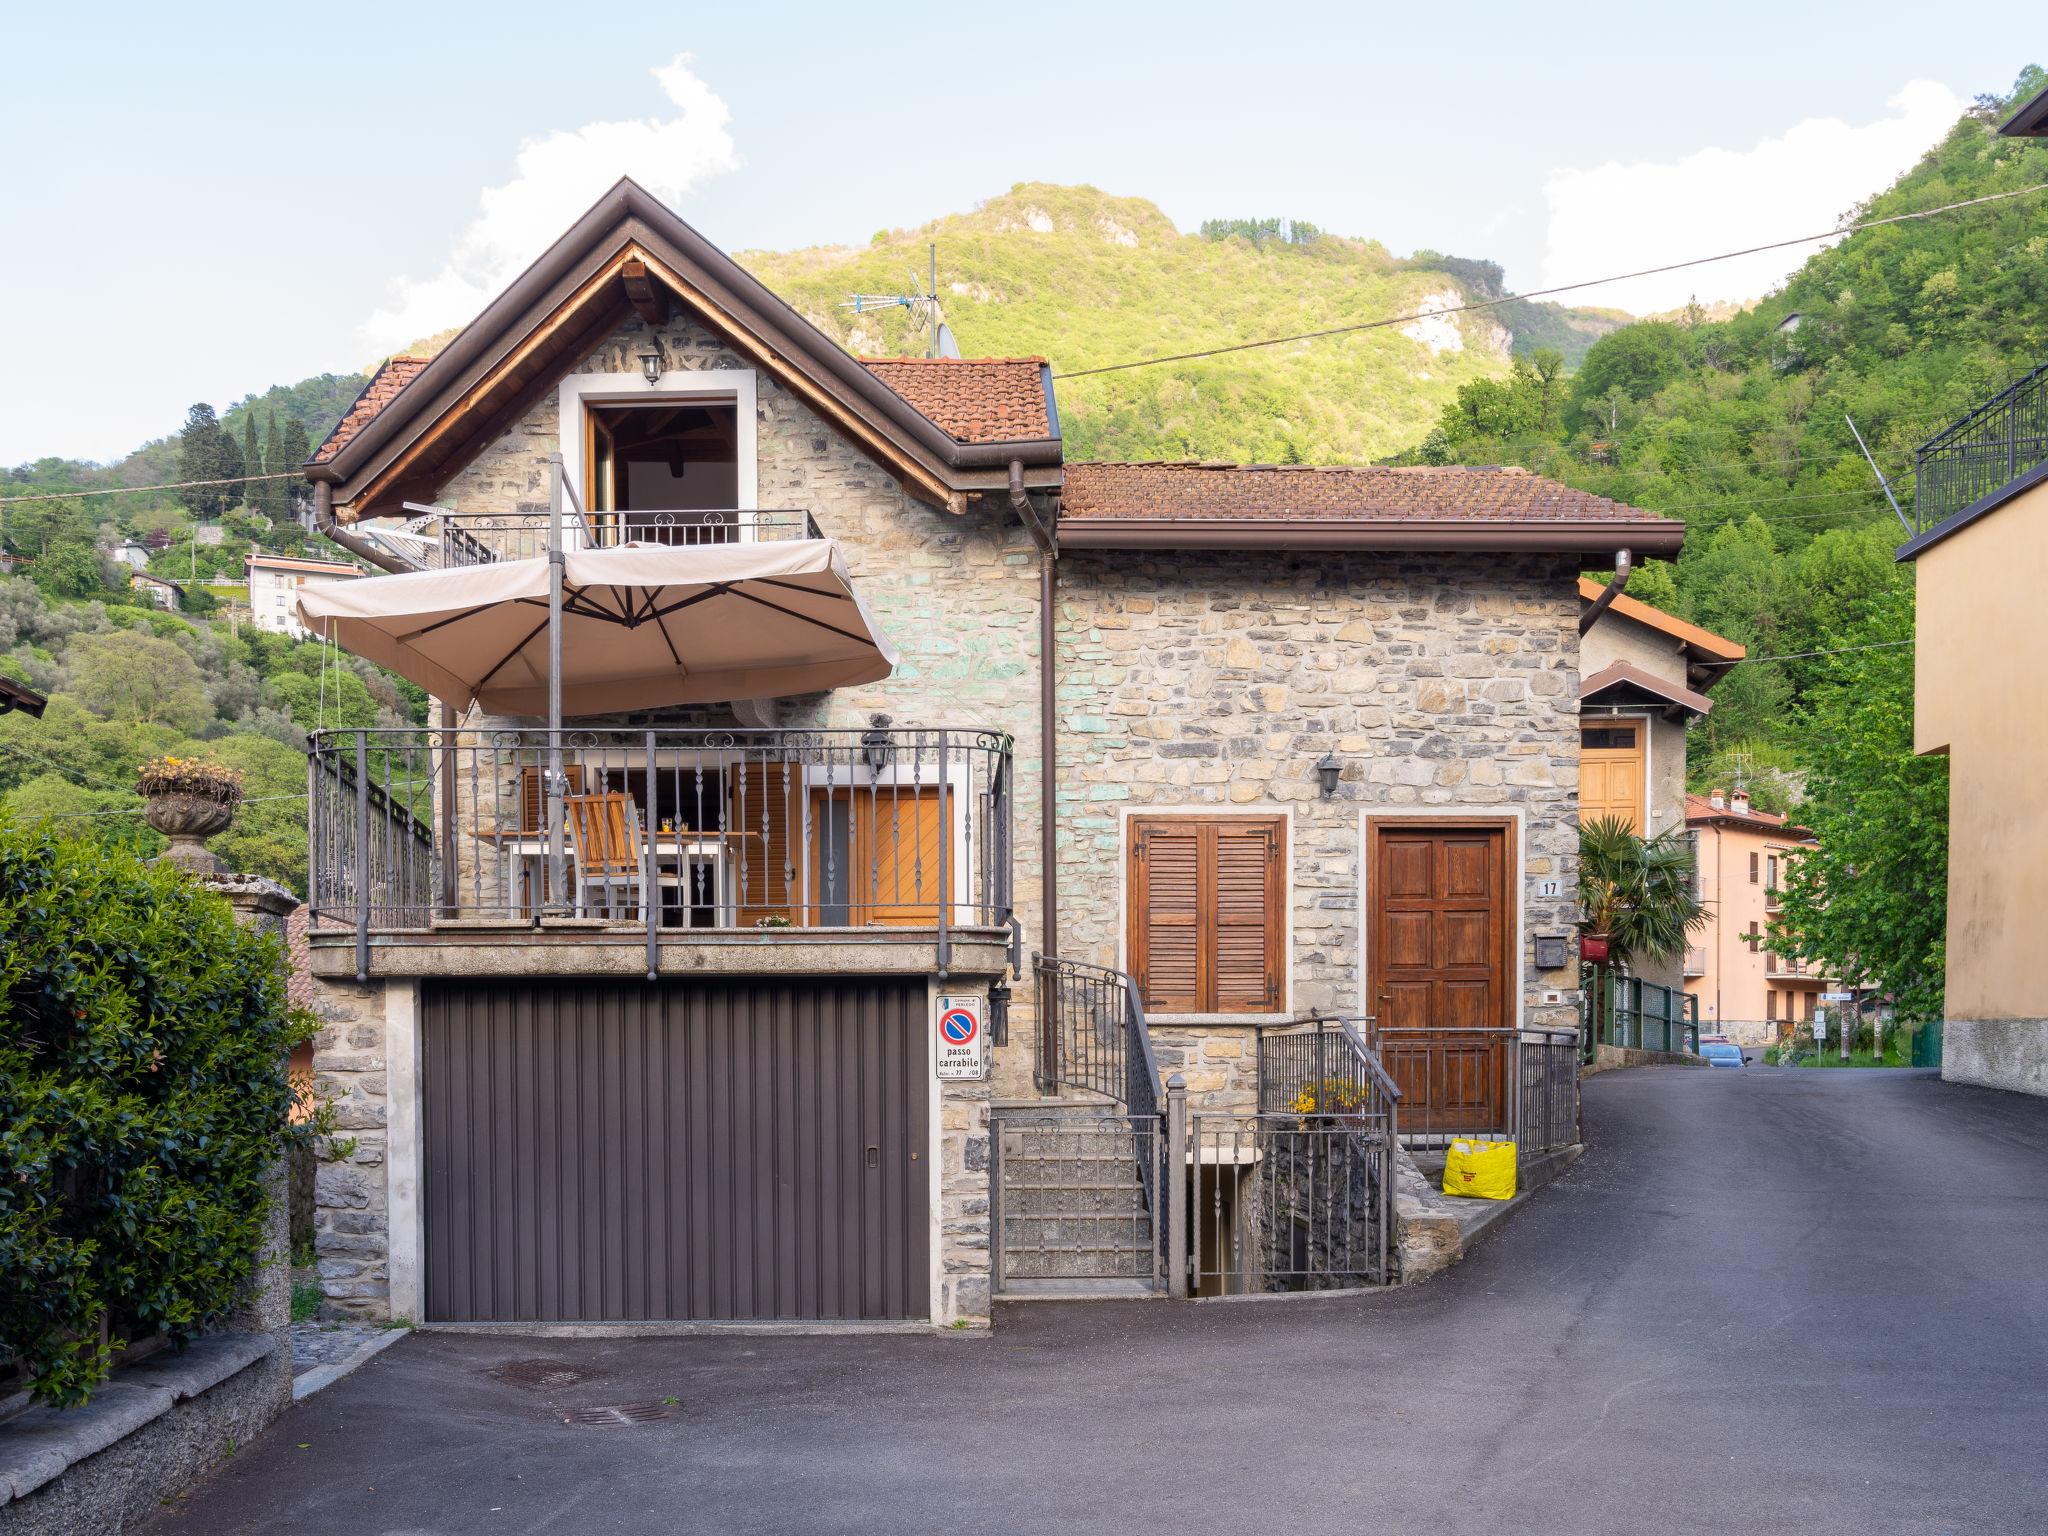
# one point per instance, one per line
(1206, 899)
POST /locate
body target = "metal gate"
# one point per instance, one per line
(1077, 1200)
(597, 1151)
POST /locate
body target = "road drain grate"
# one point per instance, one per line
(621, 1413)
(542, 1375)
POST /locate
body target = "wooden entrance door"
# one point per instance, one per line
(1611, 772)
(1439, 969)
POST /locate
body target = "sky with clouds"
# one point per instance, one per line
(196, 214)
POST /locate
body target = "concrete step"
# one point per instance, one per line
(1024, 1288)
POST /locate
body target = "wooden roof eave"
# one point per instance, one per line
(425, 435)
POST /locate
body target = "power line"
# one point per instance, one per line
(1543, 293)
(1838, 650)
(131, 490)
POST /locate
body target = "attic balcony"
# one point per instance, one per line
(2003, 439)
(479, 538)
(660, 851)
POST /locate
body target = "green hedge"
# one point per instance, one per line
(143, 1099)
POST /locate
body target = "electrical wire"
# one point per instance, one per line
(1839, 650)
(136, 490)
(1543, 293)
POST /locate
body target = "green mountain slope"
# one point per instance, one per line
(1738, 425)
(1087, 279)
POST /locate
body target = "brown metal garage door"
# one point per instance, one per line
(599, 1151)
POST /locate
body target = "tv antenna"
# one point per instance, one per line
(923, 303)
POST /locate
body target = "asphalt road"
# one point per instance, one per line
(1766, 1300)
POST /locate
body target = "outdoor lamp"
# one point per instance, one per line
(650, 364)
(1329, 770)
(876, 750)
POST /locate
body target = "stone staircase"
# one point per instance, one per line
(1073, 1217)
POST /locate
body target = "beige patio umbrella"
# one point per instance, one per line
(643, 626)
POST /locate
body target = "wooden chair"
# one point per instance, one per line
(611, 857)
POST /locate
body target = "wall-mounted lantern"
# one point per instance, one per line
(650, 365)
(1329, 770)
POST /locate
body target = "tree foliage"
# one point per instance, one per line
(1870, 904)
(143, 1103)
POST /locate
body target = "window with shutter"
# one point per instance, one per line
(1206, 912)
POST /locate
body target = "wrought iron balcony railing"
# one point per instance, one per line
(660, 834)
(1986, 451)
(478, 538)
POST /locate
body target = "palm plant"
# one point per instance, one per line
(1637, 892)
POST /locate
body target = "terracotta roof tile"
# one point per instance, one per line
(384, 385)
(972, 399)
(1701, 808)
(298, 958)
(1297, 493)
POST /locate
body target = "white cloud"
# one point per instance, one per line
(1617, 218)
(555, 179)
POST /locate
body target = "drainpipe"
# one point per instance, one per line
(1048, 739)
(327, 526)
(1624, 564)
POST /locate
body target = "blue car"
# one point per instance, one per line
(1721, 1055)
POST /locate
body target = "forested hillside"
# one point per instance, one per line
(1087, 279)
(1738, 425)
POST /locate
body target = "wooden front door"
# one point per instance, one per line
(1611, 772)
(1439, 969)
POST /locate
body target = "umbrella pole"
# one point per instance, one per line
(557, 873)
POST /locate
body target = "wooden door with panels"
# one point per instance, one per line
(1440, 974)
(1611, 772)
(1205, 915)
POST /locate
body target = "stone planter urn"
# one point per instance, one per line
(189, 801)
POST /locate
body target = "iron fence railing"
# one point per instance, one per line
(1547, 1073)
(1455, 1082)
(661, 832)
(1289, 1202)
(1075, 1199)
(1987, 450)
(1641, 1015)
(477, 538)
(1092, 1036)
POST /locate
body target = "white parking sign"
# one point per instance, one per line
(959, 1039)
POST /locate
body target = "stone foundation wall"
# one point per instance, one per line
(350, 1219)
(1996, 1053)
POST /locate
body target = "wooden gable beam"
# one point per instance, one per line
(648, 298)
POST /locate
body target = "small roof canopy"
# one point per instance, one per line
(643, 626)
(1622, 684)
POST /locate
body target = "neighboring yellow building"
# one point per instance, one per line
(1745, 992)
(1979, 696)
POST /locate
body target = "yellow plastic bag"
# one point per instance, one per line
(1480, 1170)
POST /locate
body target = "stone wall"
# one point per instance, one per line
(1218, 683)
(350, 1199)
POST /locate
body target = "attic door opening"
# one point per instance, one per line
(666, 472)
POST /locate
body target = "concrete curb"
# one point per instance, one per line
(327, 1375)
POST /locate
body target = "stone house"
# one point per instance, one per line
(724, 1016)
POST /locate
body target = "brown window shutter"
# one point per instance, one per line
(1206, 912)
(764, 814)
(1165, 933)
(1752, 869)
(1248, 890)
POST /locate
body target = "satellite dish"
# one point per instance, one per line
(947, 346)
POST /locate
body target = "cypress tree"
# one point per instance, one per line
(252, 461)
(298, 447)
(272, 497)
(200, 457)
